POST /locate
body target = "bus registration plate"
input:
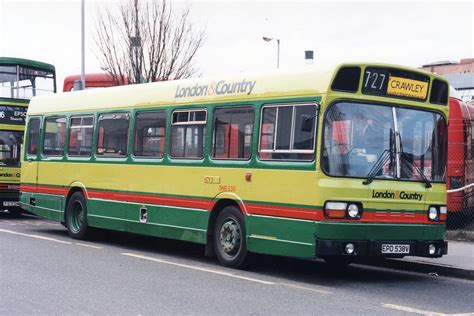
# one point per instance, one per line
(11, 203)
(393, 248)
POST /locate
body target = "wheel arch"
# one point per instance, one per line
(220, 202)
(73, 188)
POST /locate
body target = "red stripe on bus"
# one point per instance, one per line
(285, 211)
(149, 199)
(27, 188)
(393, 218)
(43, 189)
(52, 190)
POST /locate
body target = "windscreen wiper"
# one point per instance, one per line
(386, 155)
(404, 156)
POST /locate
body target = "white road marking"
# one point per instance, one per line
(305, 288)
(87, 245)
(50, 239)
(422, 312)
(198, 268)
(36, 236)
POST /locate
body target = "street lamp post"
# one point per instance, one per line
(268, 39)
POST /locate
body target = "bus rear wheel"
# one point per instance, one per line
(230, 238)
(76, 216)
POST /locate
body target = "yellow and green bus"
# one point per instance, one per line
(20, 80)
(335, 164)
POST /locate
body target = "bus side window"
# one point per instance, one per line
(150, 130)
(188, 133)
(54, 136)
(113, 135)
(288, 132)
(33, 136)
(233, 133)
(80, 136)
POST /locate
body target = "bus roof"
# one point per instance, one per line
(26, 62)
(93, 80)
(274, 85)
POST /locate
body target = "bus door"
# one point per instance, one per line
(29, 170)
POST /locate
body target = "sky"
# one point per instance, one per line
(411, 33)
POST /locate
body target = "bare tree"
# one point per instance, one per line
(147, 41)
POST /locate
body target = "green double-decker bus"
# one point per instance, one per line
(20, 80)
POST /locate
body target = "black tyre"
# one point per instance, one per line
(230, 238)
(76, 216)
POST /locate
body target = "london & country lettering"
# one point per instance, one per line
(402, 195)
(220, 88)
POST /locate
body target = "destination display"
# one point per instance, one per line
(12, 115)
(395, 83)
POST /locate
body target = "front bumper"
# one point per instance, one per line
(364, 248)
(9, 200)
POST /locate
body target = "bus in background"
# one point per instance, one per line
(94, 80)
(340, 164)
(460, 161)
(20, 80)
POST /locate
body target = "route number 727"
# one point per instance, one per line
(374, 81)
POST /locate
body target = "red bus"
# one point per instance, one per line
(94, 80)
(460, 166)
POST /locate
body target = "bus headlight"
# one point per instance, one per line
(343, 210)
(353, 211)
(433, 214)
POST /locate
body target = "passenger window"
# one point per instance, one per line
(188, 133)
(288, 132)
(232, 137)
(33, 136)
(112, 140)
(54, 136)
(150, 134)
(80, 136)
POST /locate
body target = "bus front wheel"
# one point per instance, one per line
(76, 216)
(229, 238)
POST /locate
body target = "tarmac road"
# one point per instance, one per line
(43, 271)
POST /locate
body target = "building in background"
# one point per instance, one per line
(459, 74)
